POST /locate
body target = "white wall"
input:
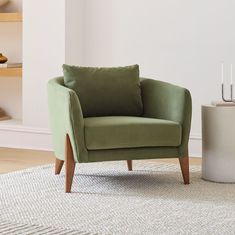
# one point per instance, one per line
(52, 36)
(74, 32)
(43, 56)
(182, 42)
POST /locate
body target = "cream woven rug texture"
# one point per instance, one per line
(107, 199)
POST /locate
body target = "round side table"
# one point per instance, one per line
(218, 143)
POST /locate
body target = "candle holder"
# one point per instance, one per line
(231, 100)
(231, 94)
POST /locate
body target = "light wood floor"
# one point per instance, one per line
(17, 159)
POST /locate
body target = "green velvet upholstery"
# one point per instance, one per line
(133, 154)
(66, 118)
(161, 101)
(117, 132)
(106, 91)
(166, 101)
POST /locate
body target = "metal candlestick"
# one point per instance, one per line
(231, 94)
(231, 84)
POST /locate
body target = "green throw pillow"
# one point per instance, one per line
(107, 91)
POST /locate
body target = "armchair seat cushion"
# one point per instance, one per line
(115, 132)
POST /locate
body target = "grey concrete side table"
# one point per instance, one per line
(218, 143)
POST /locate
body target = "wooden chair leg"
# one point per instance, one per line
(184, 165)
(129, 165)
(58, 166)
(69, 165)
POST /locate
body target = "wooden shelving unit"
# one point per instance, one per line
(10, 17)
(11, 72)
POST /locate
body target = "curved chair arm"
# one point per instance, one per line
(166, 101)
(66, 118)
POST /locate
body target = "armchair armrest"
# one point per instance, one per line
(166, 101)
(66, 118)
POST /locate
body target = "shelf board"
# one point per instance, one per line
(11, 72)
(10, 17)
(11, 123)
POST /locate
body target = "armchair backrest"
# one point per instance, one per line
(106, 91)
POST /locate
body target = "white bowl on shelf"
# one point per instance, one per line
(3, 2)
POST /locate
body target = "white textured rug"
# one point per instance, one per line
(107, 199)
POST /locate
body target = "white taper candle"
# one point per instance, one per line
(222, 73)
(231, 74)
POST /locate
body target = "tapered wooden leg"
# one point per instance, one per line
(69, 165)
(184, 165)
(129, 165)
(58, 166)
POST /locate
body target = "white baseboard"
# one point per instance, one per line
(23, 137)
(195, 146)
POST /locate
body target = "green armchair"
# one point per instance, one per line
(161, 132)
